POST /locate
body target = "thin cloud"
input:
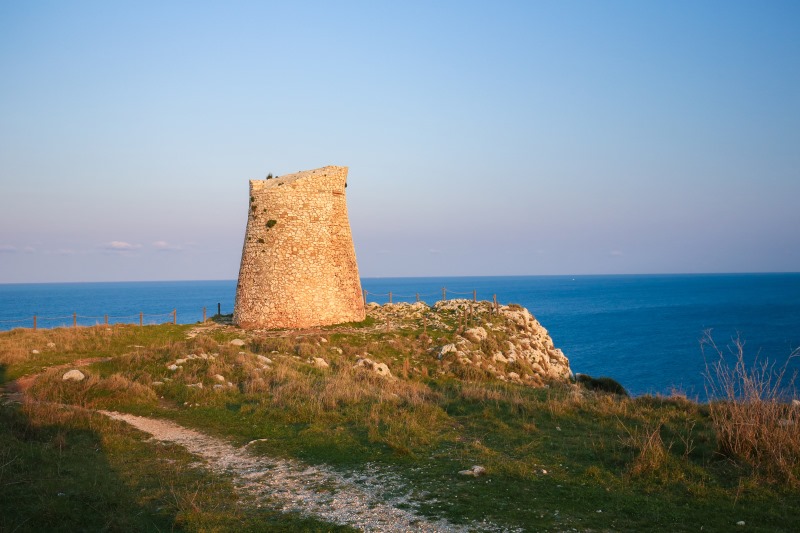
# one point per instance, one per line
(164, 246)
(8, 249)
(121, 246)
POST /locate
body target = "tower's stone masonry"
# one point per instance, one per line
(298, 265)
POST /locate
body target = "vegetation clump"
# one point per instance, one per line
(601, 384)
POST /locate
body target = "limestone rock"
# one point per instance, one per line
(475, 471)
(73, 375)
(219, 377)
(237, 342)
(35, 352)
(319, 362)
(379, 368)
(475, 334)
(447, 348)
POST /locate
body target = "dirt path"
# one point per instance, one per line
(309, 490)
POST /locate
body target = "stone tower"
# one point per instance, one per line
(298, 265)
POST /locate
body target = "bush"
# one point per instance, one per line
(601, 384)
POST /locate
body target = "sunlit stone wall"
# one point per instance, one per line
(298, 266)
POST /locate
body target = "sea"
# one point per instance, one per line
(642, 330)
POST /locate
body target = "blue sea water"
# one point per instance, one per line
(642, 330)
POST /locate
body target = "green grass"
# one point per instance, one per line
(557, 458)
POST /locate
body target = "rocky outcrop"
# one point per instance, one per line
(504, 341)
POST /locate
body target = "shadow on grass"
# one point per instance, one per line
(56, 477)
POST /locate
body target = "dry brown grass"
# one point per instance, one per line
(646, 442)
(751, 412)
(17, 345)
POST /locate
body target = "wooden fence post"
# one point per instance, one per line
(390, 296)
(494, 299)
(204, 315)
(474, 295)
(365, 296)
(105, 319)
(174, 316)
(444, 293)
(34, 322)
(219, 309)
(74, 320)
(418, 297)
(141, 319)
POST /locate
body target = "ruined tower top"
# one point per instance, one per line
(298, 264)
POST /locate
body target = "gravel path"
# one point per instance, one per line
(309, 490)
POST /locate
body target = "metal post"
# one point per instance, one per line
(219, 308)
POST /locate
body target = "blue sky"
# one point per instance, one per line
(482, 138)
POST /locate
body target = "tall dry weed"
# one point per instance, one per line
(651, 453)
(751, 410)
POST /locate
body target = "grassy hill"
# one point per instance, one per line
(384, 395)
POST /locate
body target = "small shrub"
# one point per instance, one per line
(601, 384)
(271, 222)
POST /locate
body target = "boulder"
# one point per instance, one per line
(237, 342)
(319, 362)
(475, 334)
(475, 471)
(73, 375)
(447, 348)
(220, 377)
(381, 369)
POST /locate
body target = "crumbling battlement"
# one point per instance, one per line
(298, 265)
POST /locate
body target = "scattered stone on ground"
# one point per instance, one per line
(319, 362)
(379, 368)
(475, 471)
(73, 375)
(237, 342)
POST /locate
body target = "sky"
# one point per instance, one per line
(483, 138)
